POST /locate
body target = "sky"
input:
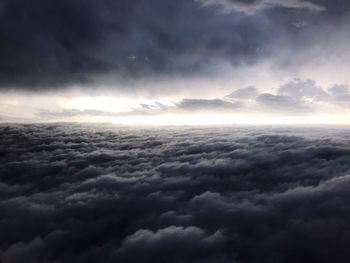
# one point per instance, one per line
(184, 62)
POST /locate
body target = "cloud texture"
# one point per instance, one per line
(73, 193)
(294, 98)
(253, 6)
(57, 44)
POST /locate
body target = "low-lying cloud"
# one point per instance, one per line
(73, 193)
(294, 98)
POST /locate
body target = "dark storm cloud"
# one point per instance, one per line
(52, 44)
(188, 243)
(73, 193)
(57, 43)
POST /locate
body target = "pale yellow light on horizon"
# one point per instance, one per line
(221, 119)
(23, 108)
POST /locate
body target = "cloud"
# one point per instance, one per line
(94, 45)
(185, 105)
(89, 43)
(299, 89)
(244, 93)
(294, 97)
(253, 6)
(97, 193)
(172, 240)
(281, 103)
(207, 104)
(340, 93)
(74, 112)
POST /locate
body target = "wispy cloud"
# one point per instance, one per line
(252, 7)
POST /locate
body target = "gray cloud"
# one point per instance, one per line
(97, 44)
(206, 104)
(89, 43)
(302, 88)
(253, 6)
(282, 103)
(91, 193)
(250, 92)
(294, 97)
(185, 242)
(185, 105)
(340, 93)
(74, 112)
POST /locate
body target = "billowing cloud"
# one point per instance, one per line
(72, 193)
(186, 243)
(184, 55)
(98, 44)
(299, 89)
(89, 43)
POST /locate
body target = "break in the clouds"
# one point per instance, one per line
(303, 99)
(71, 193)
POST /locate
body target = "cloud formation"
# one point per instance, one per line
(72, 193)
(54, 45)
(250, 92)
(208, 105)
(294, 98)
(253, 6)
(300, 89)
(280, 103)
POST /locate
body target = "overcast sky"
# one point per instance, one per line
(175, 62)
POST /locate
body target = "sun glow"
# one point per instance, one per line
(146, 112)
(220, 119)
(103, 104)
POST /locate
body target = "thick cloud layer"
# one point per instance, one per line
(47, 44)
(74, 193)
(58, 43)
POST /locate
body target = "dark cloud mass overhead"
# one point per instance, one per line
(47, 44)
(79, 193)
(59, 43)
